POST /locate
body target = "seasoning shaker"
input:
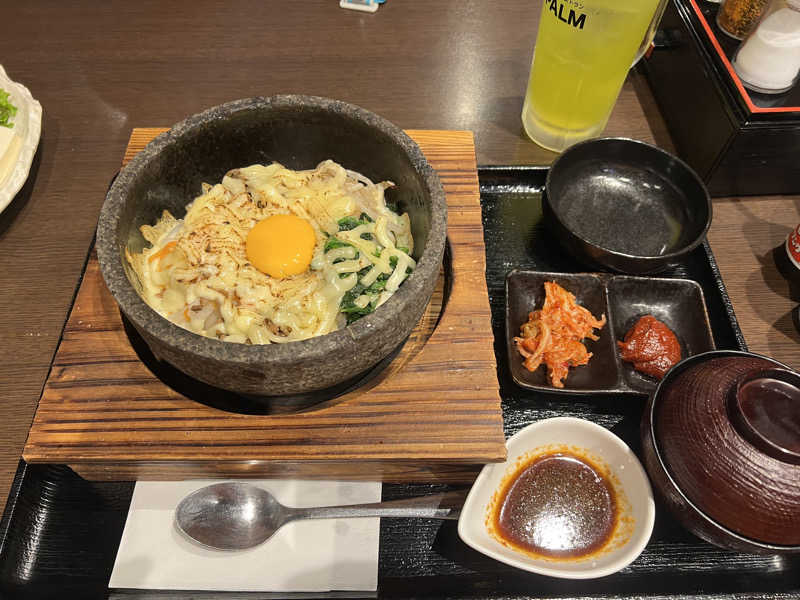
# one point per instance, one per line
(768, 61)
(737, 18)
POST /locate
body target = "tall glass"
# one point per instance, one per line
(583, 51)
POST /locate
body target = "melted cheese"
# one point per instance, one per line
(197, 271)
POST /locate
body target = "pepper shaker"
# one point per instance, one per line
(738, 17)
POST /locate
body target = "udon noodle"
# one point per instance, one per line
(197, 274)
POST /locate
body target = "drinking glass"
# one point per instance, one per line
(583, 51)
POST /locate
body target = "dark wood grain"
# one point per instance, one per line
(427, 413)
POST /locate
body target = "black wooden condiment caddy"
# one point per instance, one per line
(739, 141)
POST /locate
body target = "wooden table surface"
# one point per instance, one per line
(101, 69)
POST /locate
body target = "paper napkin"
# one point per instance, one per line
(304, 556)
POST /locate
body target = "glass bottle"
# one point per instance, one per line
(736, 18)
(787, 261)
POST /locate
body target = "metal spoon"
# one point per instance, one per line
(235, 515)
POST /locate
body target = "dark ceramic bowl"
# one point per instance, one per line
(721, 441)
(624, 205)
(299, 132)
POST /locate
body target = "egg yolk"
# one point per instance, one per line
(281, 245)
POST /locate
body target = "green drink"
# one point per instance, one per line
(583, 51)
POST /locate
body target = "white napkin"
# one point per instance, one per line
(304, 556)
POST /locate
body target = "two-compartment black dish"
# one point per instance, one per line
(59, 533)
(622, 299)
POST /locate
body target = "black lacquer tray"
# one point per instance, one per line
(59, 533)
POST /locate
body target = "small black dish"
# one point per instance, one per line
(625, 205)
(679, 303)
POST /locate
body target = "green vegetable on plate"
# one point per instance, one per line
(7, 110)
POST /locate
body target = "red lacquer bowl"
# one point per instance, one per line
(721, 438)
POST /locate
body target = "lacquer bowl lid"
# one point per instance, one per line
(727, 428)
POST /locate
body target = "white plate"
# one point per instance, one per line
(600, 445)
(27, 126)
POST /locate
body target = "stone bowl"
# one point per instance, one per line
(721, 442)
(299, 132)
(624, 205)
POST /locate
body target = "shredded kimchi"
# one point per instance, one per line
(554, 334)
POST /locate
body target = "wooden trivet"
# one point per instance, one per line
(432, 415)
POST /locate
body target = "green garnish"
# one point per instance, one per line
(333, 242)
(377, 287)
(352, 311)
(348, 305)
(7, 110)
(348, 223)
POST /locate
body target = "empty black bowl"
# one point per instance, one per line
(625, 205)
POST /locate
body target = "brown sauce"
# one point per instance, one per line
(651, 346)
(556, 505)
